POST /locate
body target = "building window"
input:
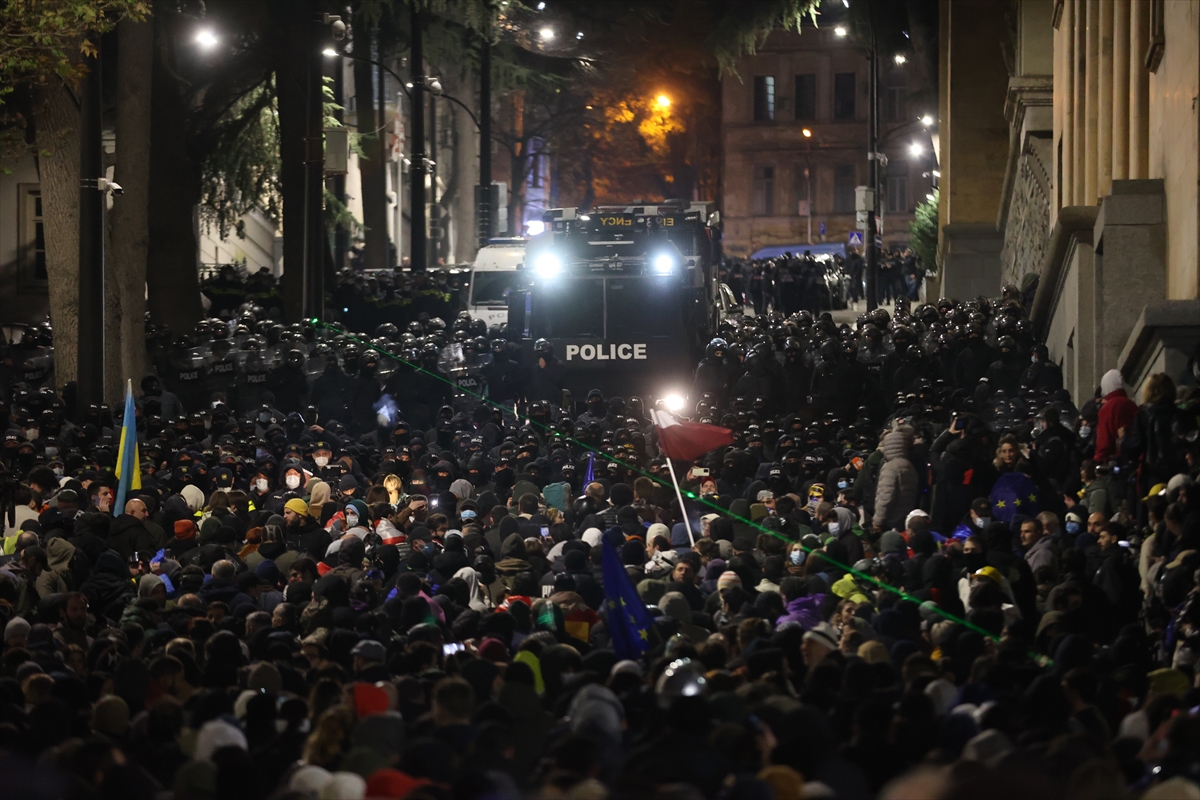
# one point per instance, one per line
(843, 95)
(804, 200)
(764, 98)
(764, 191)
(844, 182)
(806, 98)
(31, 242)
(896, 198)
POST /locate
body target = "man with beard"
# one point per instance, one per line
(302, 531)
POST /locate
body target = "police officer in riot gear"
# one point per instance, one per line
(546, 375)
(289, 383)
(712, 375)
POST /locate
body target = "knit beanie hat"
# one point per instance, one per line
(727, 580)
(185, 529)
(17, 626)
(297, 506)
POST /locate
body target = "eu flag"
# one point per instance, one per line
(624, 613)
(1014, 493)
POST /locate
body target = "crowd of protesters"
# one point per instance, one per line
(919, 570)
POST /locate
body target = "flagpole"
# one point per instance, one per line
(682, 509)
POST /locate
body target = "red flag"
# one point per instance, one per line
(686, 441)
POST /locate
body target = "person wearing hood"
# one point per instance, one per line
(676, 607)
(58, 558)
(193, 497)
(897, 487)
(1117, 414)
(109, 587)
(477, 599)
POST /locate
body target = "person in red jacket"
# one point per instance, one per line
(1117, 412)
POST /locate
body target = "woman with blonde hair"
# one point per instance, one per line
(1009, 457)
(394, 488)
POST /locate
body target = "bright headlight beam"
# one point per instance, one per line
(663, 264)
(548, 265)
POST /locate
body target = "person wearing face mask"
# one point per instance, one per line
(260, 489)
(980, 514)
(597, 411)
(292, 485)
(322, 455)
(1073, 525)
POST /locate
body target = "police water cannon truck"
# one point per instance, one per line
(627, 295)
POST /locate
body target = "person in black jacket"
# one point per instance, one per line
(303, 532)
(546, 375)
(128, 534)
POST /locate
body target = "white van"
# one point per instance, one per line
(497, 271)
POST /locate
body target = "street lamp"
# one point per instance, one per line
(901, 58)
(840, 31)
(547, 34)
(927, 120)
(916, 149)
(806, 133)
(663, 101)
(207, 39)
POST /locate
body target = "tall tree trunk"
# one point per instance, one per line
(125, 270)
(58, 142)
(292, 85)
(459, 197)
(374, 177)
(172, 281)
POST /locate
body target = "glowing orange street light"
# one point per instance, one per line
(806, 132)
(663, 101)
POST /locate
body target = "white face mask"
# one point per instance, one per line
(292, 481)
(834, 528)
(320, 461)
(31, 433)
(261, 484)
(351, 520)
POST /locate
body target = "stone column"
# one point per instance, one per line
(1130, 267)
(1064, 104)
(1120, 92)
(1104, 100)
(1091, 183)
(1139, 91)
(1079, 78)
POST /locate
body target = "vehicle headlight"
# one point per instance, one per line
(548, 265)
(663, 264)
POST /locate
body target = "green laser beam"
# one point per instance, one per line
(903, 595)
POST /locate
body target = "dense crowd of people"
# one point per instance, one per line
(917, 570)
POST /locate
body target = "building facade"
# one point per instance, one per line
(1071, 159)
(794, 142)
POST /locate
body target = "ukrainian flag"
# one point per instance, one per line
(129, 462)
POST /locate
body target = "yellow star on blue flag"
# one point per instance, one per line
(626, 616)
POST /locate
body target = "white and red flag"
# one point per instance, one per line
(685, 441)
